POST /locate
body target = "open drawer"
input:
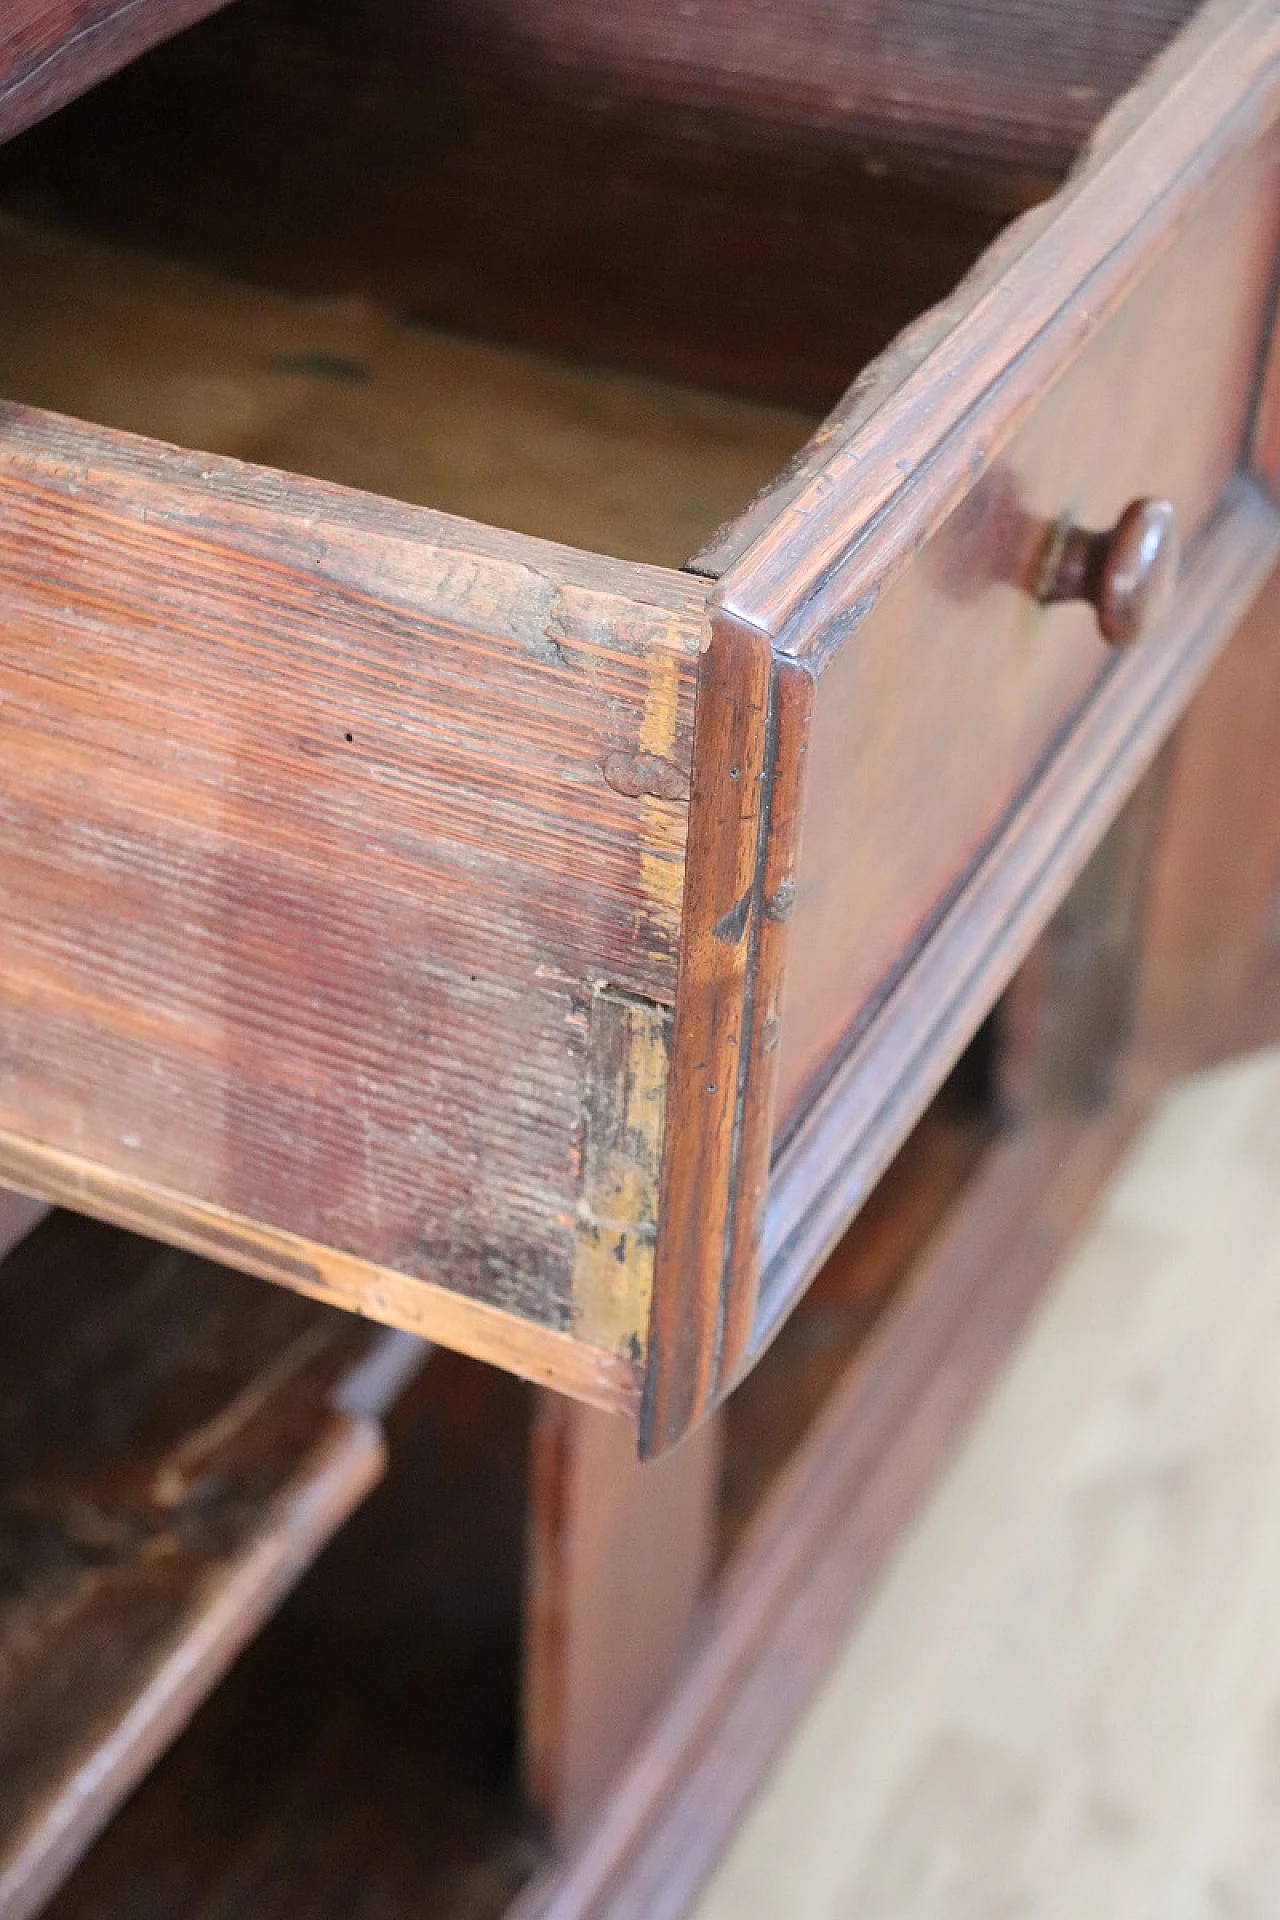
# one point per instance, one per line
(545, 951)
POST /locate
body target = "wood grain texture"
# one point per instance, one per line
(316, 947)
(935, 710)
(743, 814)
(850, 1133)
(749, 745)
(620, 1553)
(526, 1347)
(177, 1443)
(51, 50)
(942, 78)
(1113, 280)
(911, 435)
(961, 734)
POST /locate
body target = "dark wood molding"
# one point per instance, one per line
(734, 735)
(850, 1131)
(749, 733)
(49, 53)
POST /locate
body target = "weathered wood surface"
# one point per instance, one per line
(354, 1174)
(344, 393)
(936, 711)
(51, 50)
(329, 915)
(747, 785)
(967, 747)
(177, 1443)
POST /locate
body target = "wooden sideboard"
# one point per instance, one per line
(614, 865)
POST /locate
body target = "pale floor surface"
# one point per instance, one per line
(1064, 1703)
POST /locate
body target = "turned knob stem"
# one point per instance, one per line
(1127, 574)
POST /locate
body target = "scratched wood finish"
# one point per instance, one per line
(177, 1443)
(346, 908)
(895, 568)
(519, 885)
(51, 50)
(620, 1555)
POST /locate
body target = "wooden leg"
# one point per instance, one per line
(1067, 1022)
(1166, 954)
(619, 1555)
(1210, 981)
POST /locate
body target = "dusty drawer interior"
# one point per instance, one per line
(357, 887)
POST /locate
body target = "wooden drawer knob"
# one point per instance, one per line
(1127, 574)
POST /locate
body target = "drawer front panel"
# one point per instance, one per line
(934, 715)
(939, 750)
(322, 917)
